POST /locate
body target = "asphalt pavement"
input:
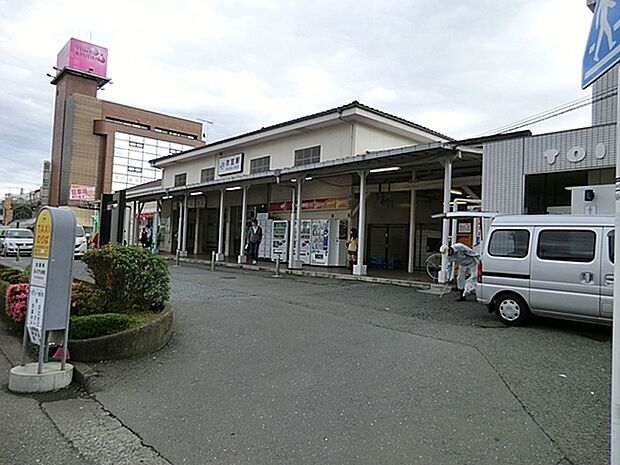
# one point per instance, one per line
(314, 371)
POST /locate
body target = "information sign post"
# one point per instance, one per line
(601, 55)
(49, 300)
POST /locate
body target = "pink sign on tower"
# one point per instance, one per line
(82, 56)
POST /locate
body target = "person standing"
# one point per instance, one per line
(467, 261)
(352, 244)
(255, 236)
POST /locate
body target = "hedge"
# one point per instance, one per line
(131, 278)
(100, 324)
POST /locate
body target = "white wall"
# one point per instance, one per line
(371, 138)
(337, 141)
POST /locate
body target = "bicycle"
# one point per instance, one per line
(432, 265)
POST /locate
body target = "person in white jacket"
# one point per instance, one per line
(467, 261)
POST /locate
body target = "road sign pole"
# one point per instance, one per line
(615, 358)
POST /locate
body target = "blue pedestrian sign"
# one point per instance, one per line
(603, 47)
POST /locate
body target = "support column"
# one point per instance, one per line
(445, 228)
(185, 215)
(242, 258)
(296, 262)
(291, 231)
(411, 256)
(360, 269)
(155, 229)
(135, 225)
(180, 228)
(197, 231)
(220, 232)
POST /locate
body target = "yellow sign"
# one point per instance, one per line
(42, 235)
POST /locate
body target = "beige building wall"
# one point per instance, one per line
(85, 149)
(338, 141)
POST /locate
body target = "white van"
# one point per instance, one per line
(558, 266)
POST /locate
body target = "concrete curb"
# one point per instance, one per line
(132, 343)
(314, 274)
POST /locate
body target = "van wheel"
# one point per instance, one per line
(511, 309)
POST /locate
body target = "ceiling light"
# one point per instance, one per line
(385, 170)
(196, 193)
(166, 197)
(236, 188)
(456, 192)
(293, 180)
(309, 178)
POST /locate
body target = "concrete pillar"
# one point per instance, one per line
(412, 219)
(227, 231)
(295, 261)
(197, 231)
(135, 233)
(445, 229)
(185, 215)
(291, 231)
(220, 232)
(180, 229)
(155, 229)
(360, 269)
(242, 258)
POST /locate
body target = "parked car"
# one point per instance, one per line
(12, 239)
(559, 266)
(81, 241)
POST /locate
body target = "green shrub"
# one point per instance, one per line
(86, 299)
(11, 275)
(101, 324)
(131, 278)
(4, 285)
(24, 275)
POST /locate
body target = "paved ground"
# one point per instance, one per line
(307, 371)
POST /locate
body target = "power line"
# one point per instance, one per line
(555, 111)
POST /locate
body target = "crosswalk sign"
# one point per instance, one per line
(603, 46)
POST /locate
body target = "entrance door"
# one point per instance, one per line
(387, 246)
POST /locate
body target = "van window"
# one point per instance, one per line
(509, 243)
(611, 244)
(566, 245)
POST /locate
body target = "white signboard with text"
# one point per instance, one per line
(230, 164)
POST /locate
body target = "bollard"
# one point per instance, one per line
(213, 260)
(178, 258)
(277, 275)
(17, 254)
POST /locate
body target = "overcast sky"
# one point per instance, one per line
(459, 67)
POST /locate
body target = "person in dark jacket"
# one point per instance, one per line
(255, 236)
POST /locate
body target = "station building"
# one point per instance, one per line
(350, 166)
(99, 146)
(534, 174)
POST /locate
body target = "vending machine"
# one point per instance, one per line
(264, 250)
(338, 236)
(279, 240)
(319, 242)
(304, 251)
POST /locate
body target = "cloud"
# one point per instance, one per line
(458, 69)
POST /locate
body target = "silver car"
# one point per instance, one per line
(559, 266)
(16, 240)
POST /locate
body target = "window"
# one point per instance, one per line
(611, 243)
(208, 174)
(260, 165)
(127, 123)
(180, 179)
(176, 133)
(308, 156)
(509, 243)
(566, 245)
